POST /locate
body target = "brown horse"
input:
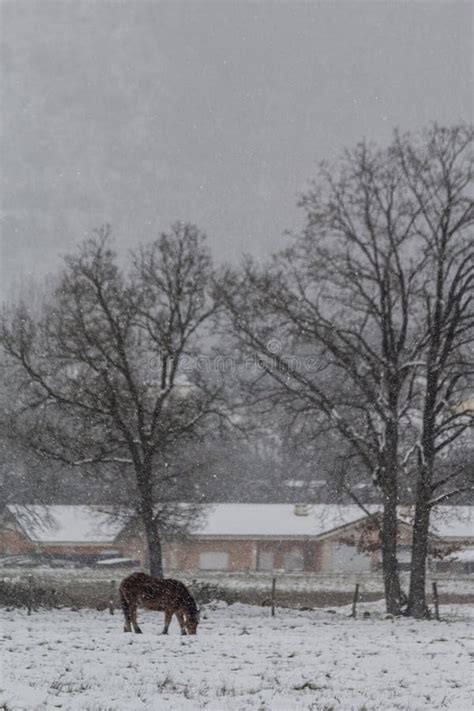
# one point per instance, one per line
(168, 596)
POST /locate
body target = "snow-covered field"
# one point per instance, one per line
(240, 659)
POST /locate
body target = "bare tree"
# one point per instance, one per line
(105, 373)
(341, 391)
(438, 173)
(337, 321)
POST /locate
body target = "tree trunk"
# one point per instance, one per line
(389, 533)
(154, 550)
(417, 606)
(153, 539)
(391, 577)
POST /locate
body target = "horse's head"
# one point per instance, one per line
(191, 621)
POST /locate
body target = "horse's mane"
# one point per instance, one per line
(190, 602)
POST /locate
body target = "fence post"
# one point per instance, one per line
(436, 599)
(112, 596)
(29, 594)
(355, 599)
(272, 596)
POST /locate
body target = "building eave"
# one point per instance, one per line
(75, 544)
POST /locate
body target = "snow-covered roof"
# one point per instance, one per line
(67, 524)
(92, 524)
(464, 556)
(281, 520)
(453, 521)
(449, 521)
(276, 520)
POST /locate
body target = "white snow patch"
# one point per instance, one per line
(241, 659)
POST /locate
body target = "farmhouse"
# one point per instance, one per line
(81, 533)
(265, 537)
(295, 538)
(236, 537)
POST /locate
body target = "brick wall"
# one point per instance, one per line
(14, 543)
(185, 555)
(244, 554)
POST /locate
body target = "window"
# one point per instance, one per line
(342, 558)
(293, 561)
(265, 560)
(210, 560)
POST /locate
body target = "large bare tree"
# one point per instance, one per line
(438, 173)
(105, 371)
(338, 321)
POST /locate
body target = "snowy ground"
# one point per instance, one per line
(241, 659)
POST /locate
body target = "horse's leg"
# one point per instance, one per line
(180, 617)
(126, 613)
(168, 616)
(133, 614)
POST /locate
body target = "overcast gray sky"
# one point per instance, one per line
(141, 113)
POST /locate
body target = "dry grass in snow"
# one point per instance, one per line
(241, 659)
